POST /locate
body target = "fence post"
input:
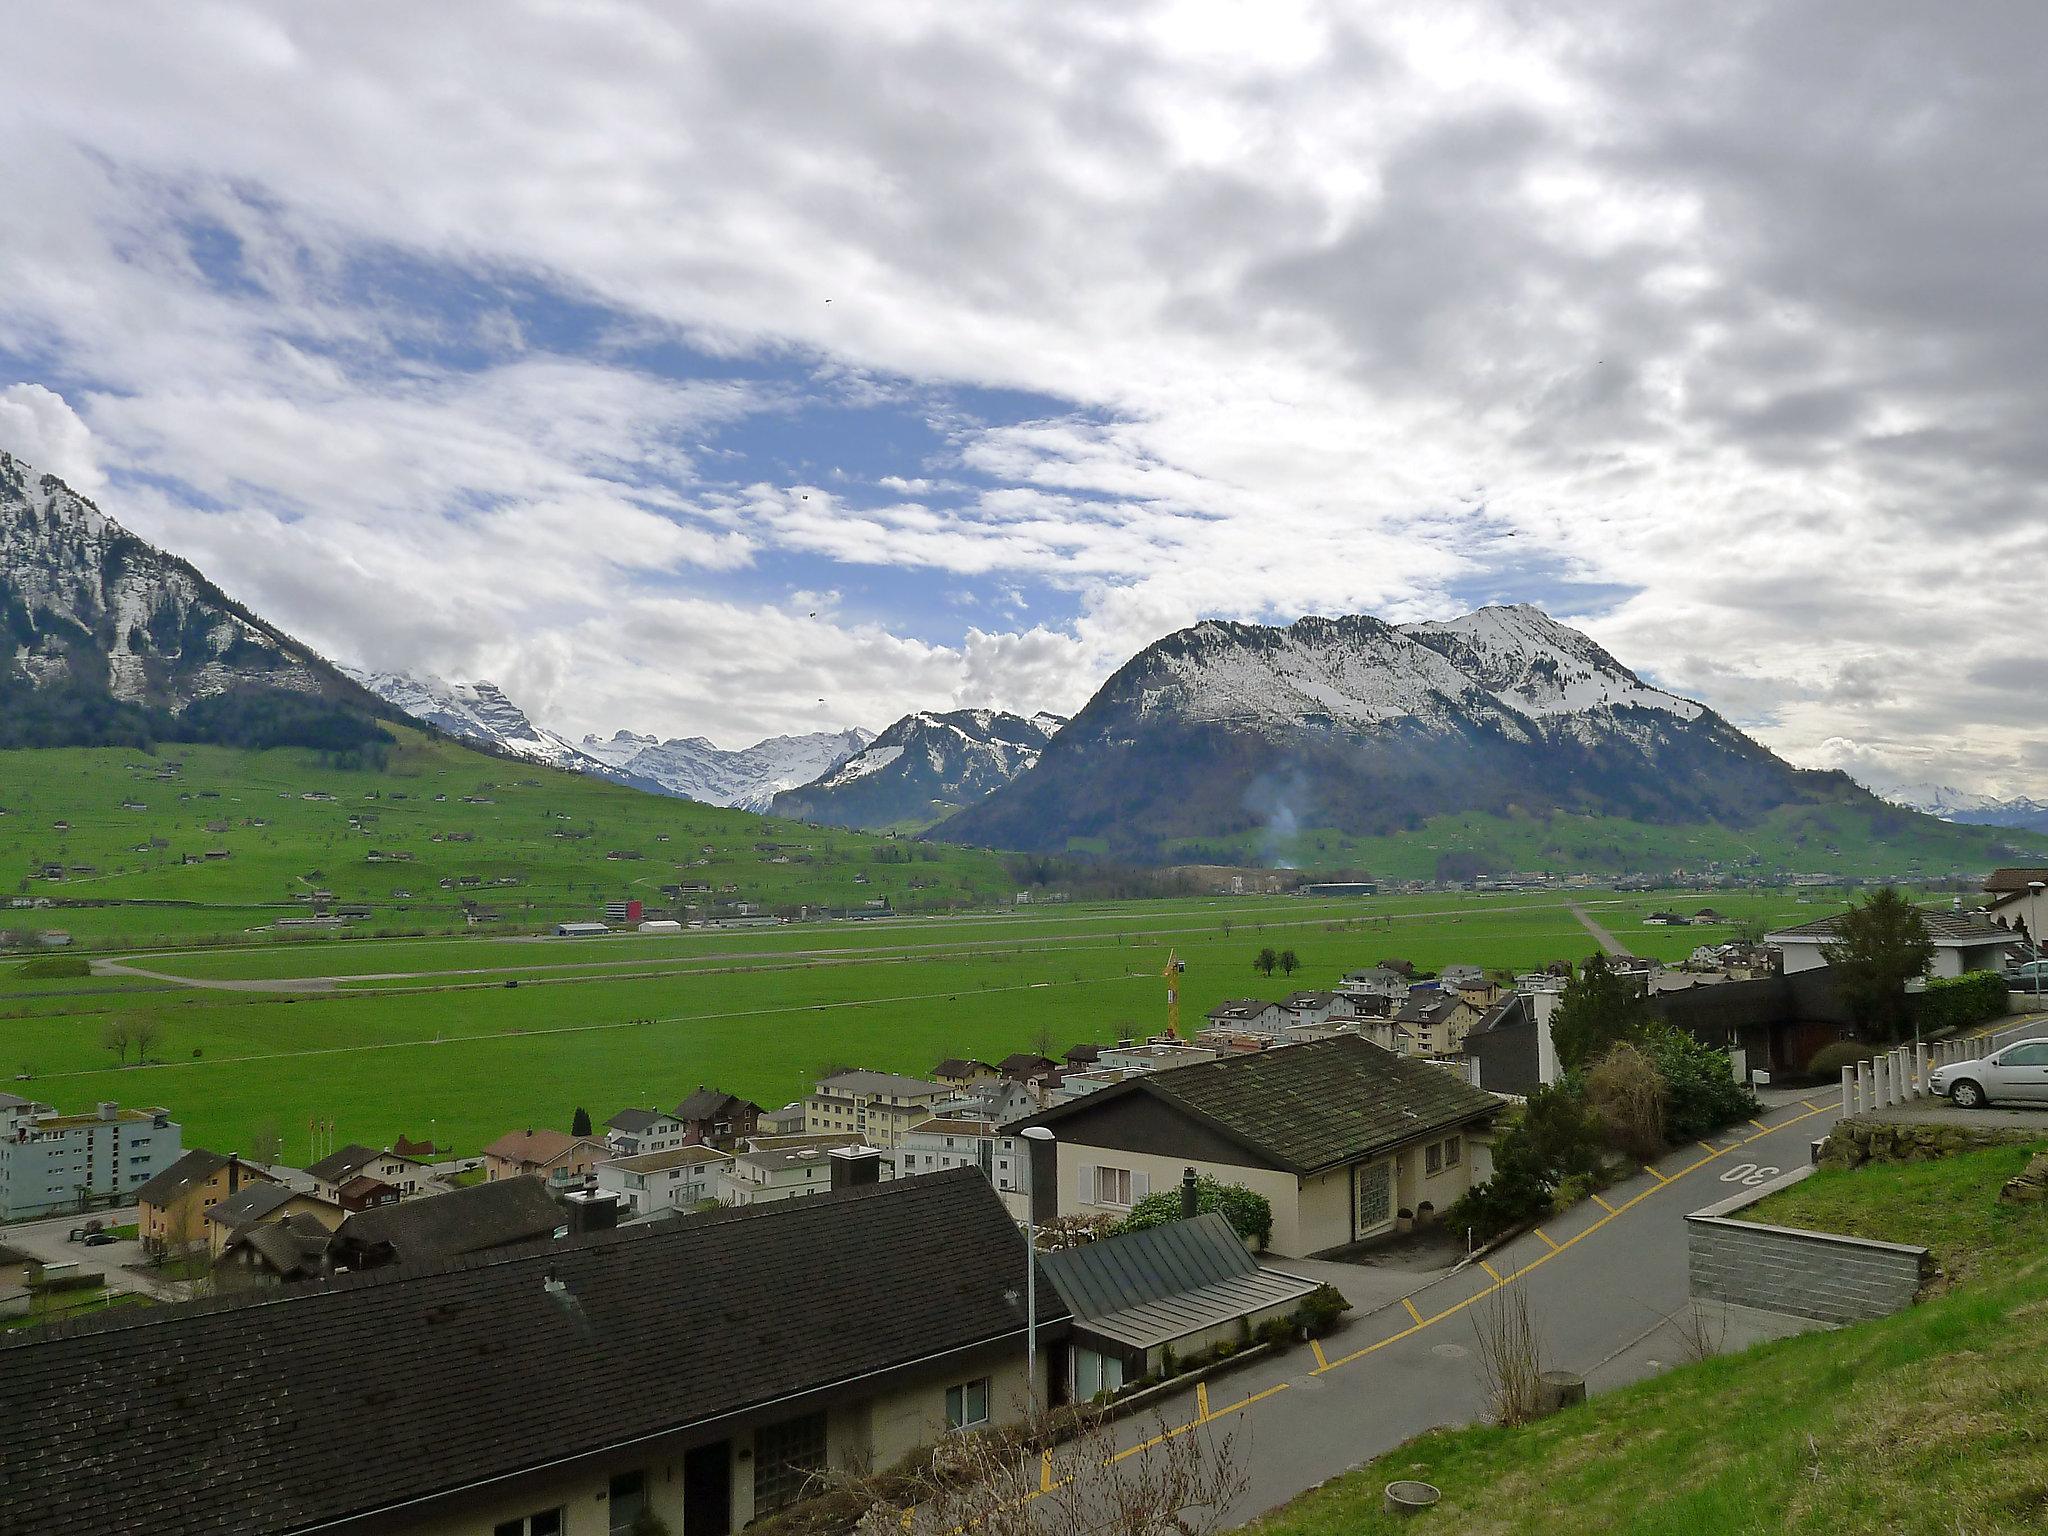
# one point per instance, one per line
(1864, 1102)
(1848, 1090)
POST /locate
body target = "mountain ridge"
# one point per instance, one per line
(925, 765)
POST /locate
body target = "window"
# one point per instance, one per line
(1433, 1158)
(785, 1456)
(967, 1404)
(547, 1522)
(1453, 1150)
(1113, 1186)
(627, 1501)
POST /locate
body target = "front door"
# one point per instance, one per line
(1372, 1199)
(707, 1490)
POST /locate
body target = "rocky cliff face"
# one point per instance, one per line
(922, 768)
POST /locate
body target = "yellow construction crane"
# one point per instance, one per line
(1174, 966)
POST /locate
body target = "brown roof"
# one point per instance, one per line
(539, 1147)
(2013, 878)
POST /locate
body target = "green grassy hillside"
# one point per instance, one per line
(1926, 1422)
(530, 842)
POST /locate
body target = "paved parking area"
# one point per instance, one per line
(1998, 1117)
(49, 1241)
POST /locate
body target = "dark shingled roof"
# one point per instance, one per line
(1942, 927)
(2013, 878)
(436, 1227)
(354, 1394)
(712, 1104)
(181, 1178)
(633, 1121)
(340, 1167)
(252, 1202)
(1305, 1107)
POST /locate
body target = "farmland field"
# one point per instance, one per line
(440, 1045)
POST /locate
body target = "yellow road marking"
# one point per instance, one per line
(1410, 1305)
(1492, 1271)
(1201, 1401)
(1653, 1173)
(1256, 1397)
(1547, 1238)
(1045, 1470)
(1810, 1105)
(1322, 1360)
(1602, 1204)
(1761, 1126)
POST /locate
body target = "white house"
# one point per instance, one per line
(1963, 942)
(636, 1132)
(955, 1143)
(782, 1173)
(678, 1179)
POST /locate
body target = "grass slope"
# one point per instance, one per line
(1929, 1421)
(533, 841)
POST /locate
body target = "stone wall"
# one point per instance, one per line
(1821, 1275)
(1855, 1142)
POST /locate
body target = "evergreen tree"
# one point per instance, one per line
(580, 1126)
(1879, 947)
(1601, 1008)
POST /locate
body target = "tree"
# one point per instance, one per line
(1289, 962)
(1600, 1009)
(117, 1037)
(1265, 960)
(1249, 1213)
(1879, 947)
(580, 1126)
(148, 1034)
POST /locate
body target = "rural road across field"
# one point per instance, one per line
(1604, 1284)
(1606, 940)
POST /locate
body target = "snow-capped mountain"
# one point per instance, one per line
(923, 767)
(1363, 727)
(1967, 806)
(107, 638)
(748, 778)
(477, 712)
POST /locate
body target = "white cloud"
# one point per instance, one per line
(38, 427)
(1731, 322)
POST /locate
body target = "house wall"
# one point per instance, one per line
(1163, 1172)
(183, 1222)
(329, 1216)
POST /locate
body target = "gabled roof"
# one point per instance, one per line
(289, 1248)
(633, 1121)
(181, 1178)
(1023, 1063)
(437, 1227)
(860, 1081)
(1304, 1107)
(339, 1167)
(1953, 928)
(960, 1066)
(714, 1104)
(1077, 1055)
(646, 1333)
(252, 1202)
(1241, 1008)
(540, 1147)
(2014, 878)
(1428, 1008)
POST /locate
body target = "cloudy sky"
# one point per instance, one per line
(736, 369)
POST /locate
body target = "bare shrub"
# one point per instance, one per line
(1702, 1333)
(1510, 1355)
(1625, 1092)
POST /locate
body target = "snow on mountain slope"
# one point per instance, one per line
(923, 766)
(476, 711)
(1967, 806)
(1537, 666)
(748, 778)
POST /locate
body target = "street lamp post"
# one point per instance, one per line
(2034, 890)
(1039, 1133)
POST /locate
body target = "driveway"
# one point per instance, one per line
(2031, 1117)
(48, 1240)
(1604, 1284)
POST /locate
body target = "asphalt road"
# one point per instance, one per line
(1603, 1283)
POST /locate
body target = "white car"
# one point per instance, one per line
(2016, 1075)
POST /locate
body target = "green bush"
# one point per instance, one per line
(1319, 1310)
(1250, 1214)
(1957, 1002)
(1701, 1092)
(1829, 1060)
(1276, 1331)
(53, 968)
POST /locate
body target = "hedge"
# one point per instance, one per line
(1957, 1002)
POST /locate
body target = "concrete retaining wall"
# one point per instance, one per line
(1821, 1275)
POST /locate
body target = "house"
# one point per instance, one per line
(1339, 1135)
(1378, 990)
(55, 1164)
(260, 1202)
(679, 1179)
(877, 1106)
(2005, 881)
(2024, 911)
(1177, 1290)
(999, 1099)
(702, 1369)
(1509, 1050)
(713, 1118)
(273, 1252)
(635, 1132)
(962, 1070)
(1435, 1022)
(564, 1161)
(962, 1143)
(171, 1208)
(767, 1174)
(786, 1121)
(1300, 1009)
(406, 1175)
(436, 1229)
(1667, 920)
(1963, 942)
(1027, 1067)
(366, 1192)
(1246, 1014)
(1083, 1055)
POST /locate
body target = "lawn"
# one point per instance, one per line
(1924, 1422)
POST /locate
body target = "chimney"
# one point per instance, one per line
(108, 1109)
(591, 1212)
(855, 1166)
(234, 1171)
(1188, 1209)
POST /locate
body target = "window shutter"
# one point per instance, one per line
(1141, 1186)
(1087, 1185)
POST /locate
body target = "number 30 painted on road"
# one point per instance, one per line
(1750, 1174)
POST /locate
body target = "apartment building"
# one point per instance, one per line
(52, 1164)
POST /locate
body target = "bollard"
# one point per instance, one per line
(1848, 1090)
(1864, 1102)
